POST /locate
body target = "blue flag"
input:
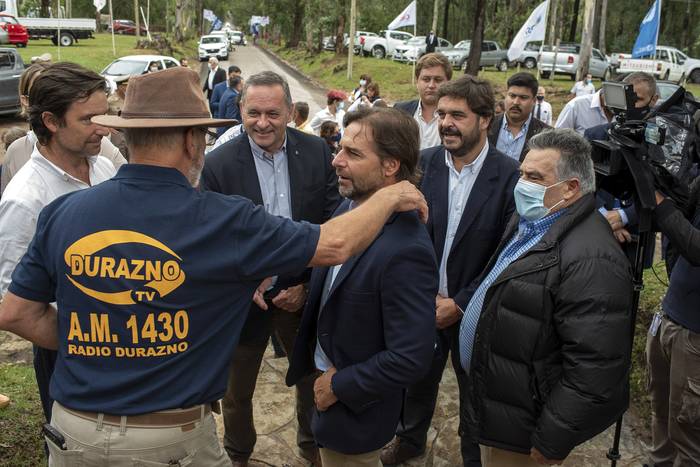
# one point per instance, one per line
(648, 32)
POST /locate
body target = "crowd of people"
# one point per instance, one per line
(372, 243)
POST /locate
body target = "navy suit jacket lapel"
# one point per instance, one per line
(439, 200)
(296, 176)
(479, 196)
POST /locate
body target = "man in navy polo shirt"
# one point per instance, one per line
(153, 280)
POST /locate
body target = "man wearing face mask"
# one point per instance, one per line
(545, 337)
(543, 109)
(583, 87)
(334, 111)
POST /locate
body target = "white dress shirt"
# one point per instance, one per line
(582, 88)
(210, 78)
(545, 112)
(325, 115)
(34, 186)
(429, 134)
(460, 187)
(582, 113)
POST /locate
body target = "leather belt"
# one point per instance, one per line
(167, 418)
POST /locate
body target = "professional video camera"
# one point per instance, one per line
(645, 153)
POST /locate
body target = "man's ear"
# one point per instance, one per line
(391, 166)
(50, 121)
(573, 186)
(190, 142)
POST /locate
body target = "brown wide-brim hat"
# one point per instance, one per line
(164, 99)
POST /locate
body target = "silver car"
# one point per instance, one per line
(11, 68)
(414, 48)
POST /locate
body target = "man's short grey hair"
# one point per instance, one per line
(267, 78)
(162, 138)
(575, 156)
(642, 77)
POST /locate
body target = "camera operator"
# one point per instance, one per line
(621, 213)
(673, 342)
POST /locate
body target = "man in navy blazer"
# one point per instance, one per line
(468, 185)
(220, 88)
(364, 326)
(289, 173)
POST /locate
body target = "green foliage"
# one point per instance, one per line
(21, 443)
(96, 54)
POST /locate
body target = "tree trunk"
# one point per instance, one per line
(445, 18)
(339, 39)
(596, 25)
(574, 21)
(179, 26)
(297, 25)
(603, 24)
(436, 13)
(137, 19)
(553, 11)
(477, 37)
(510, 31)
(584, 58)
(45, 4)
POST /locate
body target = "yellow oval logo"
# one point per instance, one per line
(161, 276)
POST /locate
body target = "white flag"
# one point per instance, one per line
(533, 30)
(99, 4)
(209, 15)
(406, 18)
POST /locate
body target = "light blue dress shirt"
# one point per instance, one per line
(529, 233)
(511, 145)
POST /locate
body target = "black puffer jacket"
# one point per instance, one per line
(552, 347)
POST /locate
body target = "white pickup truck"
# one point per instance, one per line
(383, 44)
(669, 63)
(65, 30)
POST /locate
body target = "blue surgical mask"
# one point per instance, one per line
(341, 105)
(529, 200)
(363, 82)
(336, 138)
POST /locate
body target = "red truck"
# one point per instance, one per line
(16, 33)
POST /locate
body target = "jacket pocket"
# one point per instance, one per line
(61, 458)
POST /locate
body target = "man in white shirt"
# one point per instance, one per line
(543, 109)
(334, 111)
(64, 98)
(583, 87)
(216, 75)
(432, 71)
(582, 113)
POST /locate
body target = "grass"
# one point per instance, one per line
(21, 443)
(394, 78)
(96, 53)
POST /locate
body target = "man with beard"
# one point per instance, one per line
(289, 173)
(468, 185)
(153, 281)
(432, 71)
(511, 131)
(363, 329)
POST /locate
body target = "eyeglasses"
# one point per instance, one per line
(208, 132)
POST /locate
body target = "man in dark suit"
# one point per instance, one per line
(468, 185)
(432, 71)
(219, 90)
(229, 105)
(364, 325)
(431, 41)
(511, 131)
(290, 174)
(215, 76)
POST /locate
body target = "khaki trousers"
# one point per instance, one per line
(331, 458)
(91, 443)
(494, 457)
(673, 358)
